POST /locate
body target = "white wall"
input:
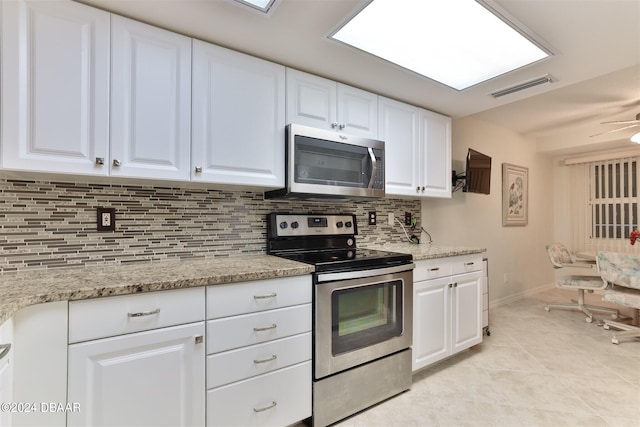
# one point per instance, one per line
(476, 220)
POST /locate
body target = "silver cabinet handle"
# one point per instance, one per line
(434, 269)
(199, 339)
(116, 162)
(198, 169)
(267, 328)
(455, 284)
(144, 313)
(99, 160)
(273, 295)
(270, 359)
(4, 350)
(470, 263)
(273, 405)
(342, 126)
(334, 125)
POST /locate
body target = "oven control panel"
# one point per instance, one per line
(289, 225)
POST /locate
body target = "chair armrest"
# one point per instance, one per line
(581, 265)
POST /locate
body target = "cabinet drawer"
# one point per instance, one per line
(466, 263)
(247, 362)
(431, 269)
(278, 398)
(248, 329)
(249, 297)
(105, 317)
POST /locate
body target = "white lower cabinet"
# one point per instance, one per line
(447, 311)
(147, 368)
(40, 363)
(6, 370)
(148, 378)
(259, 352)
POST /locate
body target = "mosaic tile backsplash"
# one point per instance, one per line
(46, 224)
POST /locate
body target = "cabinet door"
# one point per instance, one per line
(311, 100)
(398, 128)
(150, 101)
(152, 378)
(467, 310)
(55, 87)
(6, 370)
(238, 118)
(435, 144)
(431, 321)
(357, 111)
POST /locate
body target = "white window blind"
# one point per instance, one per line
(605, 204)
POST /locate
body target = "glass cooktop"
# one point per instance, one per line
(339, 259)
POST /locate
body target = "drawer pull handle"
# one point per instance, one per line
(434, 269)
(273, 295)
(270, 359)
(266, 408)
(4, 350)
(144, 313)
(267, 328)
(469, 263)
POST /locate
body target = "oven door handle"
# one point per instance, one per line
(359, 274)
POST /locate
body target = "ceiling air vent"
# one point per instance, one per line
(521, 86)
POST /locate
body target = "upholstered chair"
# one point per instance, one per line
(560, 257)
(622, 272)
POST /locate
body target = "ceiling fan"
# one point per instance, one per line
(625, 124)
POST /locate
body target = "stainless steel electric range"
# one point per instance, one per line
(362, 312)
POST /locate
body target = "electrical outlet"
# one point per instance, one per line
(407, 218)
(106, 219)
(391, 218)
(372, 218)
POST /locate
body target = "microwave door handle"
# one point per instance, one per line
(374, 167)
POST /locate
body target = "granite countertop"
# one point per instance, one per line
(425, 251)
(22, 289)
(18, 290)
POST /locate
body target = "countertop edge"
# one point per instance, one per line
(27, 289)
(423, 251)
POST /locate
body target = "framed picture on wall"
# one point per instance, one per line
(515, 193)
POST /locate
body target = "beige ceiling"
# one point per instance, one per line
(595, 66)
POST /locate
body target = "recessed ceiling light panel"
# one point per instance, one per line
(260, 5)
(459, 43)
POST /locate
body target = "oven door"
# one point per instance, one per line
(361, 319)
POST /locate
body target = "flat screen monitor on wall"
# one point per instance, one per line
(478, 173)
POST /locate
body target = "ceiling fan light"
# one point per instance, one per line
(636, 138)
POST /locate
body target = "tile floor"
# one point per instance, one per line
(537, 368)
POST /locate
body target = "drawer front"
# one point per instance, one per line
(466, 263)
(248, 297)
(124, 314)
(235, 365)
(248, 329)
(278, 398)
(431, 269)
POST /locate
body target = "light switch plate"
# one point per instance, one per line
(106, 219)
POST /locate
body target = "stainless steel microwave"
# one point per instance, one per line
(329, 164)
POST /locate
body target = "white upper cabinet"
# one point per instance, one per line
(435, 145)
(417, 150)
(399, 129)
(55, 87)
(150, 101)
(238, 118)
(325, 104)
